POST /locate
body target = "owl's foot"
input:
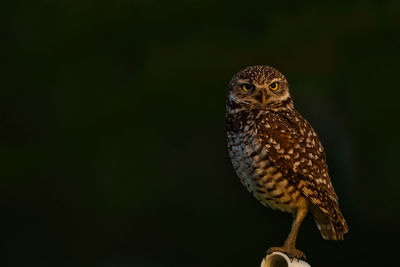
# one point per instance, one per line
(291, 253)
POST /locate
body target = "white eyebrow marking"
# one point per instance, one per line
(275, 80)
(243, 81)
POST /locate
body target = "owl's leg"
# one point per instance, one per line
(290, 243)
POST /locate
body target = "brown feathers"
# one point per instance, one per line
(276, 153)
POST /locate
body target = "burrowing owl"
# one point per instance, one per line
(277, 154)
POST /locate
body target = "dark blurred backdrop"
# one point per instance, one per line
(112, 129)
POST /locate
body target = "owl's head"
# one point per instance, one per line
(259, 87)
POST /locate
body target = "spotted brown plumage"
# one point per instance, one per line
(277, 154)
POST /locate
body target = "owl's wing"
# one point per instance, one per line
(293, 147)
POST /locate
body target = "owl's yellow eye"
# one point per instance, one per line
(247, 87)
(274, 86)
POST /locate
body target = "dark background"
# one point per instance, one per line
(112, 130)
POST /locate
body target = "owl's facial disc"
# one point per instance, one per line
(259, 95)
(259, 87)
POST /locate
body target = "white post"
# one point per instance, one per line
(278, 259)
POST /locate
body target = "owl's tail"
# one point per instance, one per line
(330, 230)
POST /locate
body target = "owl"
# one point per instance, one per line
(278, 156)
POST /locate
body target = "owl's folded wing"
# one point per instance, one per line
(295, 149)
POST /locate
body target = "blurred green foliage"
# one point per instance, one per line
(113, 140)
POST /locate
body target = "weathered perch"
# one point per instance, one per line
(278, 259)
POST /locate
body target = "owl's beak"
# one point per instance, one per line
(264, 97)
